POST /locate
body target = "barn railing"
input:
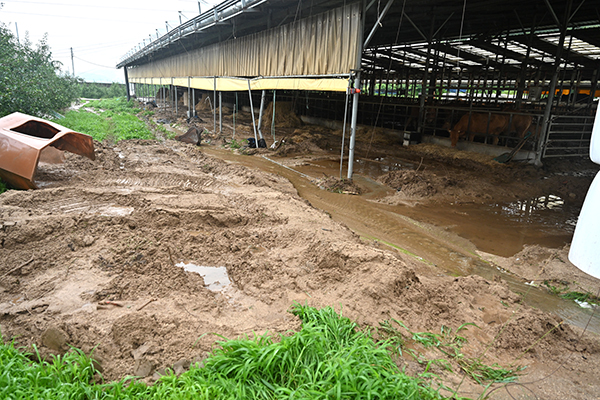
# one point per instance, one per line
(568, 136)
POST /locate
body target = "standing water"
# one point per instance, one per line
(447, 236)
(215, 278)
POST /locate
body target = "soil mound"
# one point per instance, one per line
(97, 257)
(285, 117)
(337, 185)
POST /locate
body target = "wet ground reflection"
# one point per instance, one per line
(444, 235)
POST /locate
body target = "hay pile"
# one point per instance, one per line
(285, 117)
(205, 103)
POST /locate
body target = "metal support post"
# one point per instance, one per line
(260, 113)
(252, 113)
(175, 96)
(546, 119)
(359, 52)
(220, 111)
(273, 118)
(193, 102)
(189, 98)
(353, 126)
(214, 104)
(235, 108)
(127, 84)
(424, 86)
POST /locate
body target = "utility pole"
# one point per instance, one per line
(199, 8)
(72, 62)
(17, 29)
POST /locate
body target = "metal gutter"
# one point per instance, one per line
(220, 13)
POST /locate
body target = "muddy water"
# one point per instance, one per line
(446, 236)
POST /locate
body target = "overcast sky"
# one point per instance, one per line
(100, 32)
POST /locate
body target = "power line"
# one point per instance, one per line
(78, 17)
(97, 65)
(84, 5)
(88, 49)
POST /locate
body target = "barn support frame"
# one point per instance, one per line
(189, 112)
(260, 112)
(127, 84)
(486, 69)
(214, 104)
(252, 113)
(220, 111)
(546, 119)
(355, 96)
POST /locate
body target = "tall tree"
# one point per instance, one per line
(30, 81)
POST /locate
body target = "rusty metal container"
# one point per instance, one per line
(22, 140)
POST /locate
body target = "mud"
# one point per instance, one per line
(113, 231)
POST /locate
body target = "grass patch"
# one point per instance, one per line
(68, 376)
(329, 358)
(114, 120)
(117, 105)
(449, 343)
(581, 297)
(562, 290)
(237, 144)
(3, 187)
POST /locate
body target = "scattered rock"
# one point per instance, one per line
(143, 368)
(199, 360)
(181, 366)
(7, 224)
(140, 351)
(192, 136)
(88, 240)
(159, 373)
(55, 339)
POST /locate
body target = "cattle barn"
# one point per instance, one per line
(416, 66)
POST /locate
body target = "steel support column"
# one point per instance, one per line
(189, 98)
(357, 65)
(127, 83)
(260, 113)
(252, 113)
(215, 105)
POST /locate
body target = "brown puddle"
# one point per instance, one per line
(444, 235)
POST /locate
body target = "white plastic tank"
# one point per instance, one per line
(585, 247)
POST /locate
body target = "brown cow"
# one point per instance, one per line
(479, 123)
(520, 124)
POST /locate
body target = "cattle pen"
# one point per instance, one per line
(415, 67)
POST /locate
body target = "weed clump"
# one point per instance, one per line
(329, 358)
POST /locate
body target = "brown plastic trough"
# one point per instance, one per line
(23, 138)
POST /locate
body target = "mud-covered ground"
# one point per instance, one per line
(90, 260)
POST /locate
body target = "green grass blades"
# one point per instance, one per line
(68, 376)
(482, 373)
(329, 358)
(113, 120)
(117, 105)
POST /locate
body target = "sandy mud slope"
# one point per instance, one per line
(90, 261)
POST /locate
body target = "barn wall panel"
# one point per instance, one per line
(323, 44)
